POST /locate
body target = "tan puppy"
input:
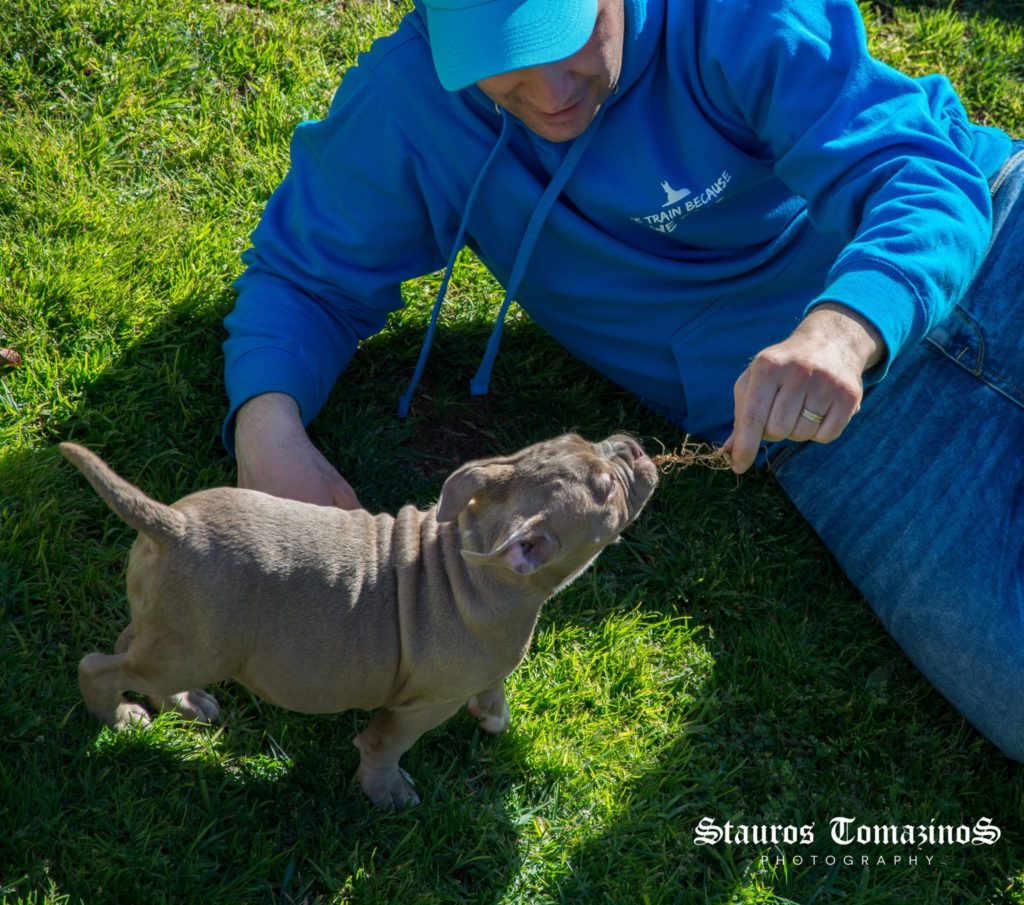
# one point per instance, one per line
(320, 609)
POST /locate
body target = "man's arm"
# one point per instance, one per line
(356, 216)
(275, 455)
(819, 368)
(882, 161)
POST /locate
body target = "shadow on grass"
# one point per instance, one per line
(266, 811)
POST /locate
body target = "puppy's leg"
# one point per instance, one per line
(101, 682)
(195, 705)
(101, 679)
(491, 708)
(151, 667)
(387, 737)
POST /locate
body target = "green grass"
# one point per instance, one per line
(715, 663)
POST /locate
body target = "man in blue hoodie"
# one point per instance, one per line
(730, 209)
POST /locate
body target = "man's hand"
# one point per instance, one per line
(275, 455)
(818, 371)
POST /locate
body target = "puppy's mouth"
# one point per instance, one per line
(634, 469)
(624, 449)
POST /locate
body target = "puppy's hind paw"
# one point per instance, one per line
(484, 709)
(196, 705)
(205, 706)
(388, 788)
(129, 714)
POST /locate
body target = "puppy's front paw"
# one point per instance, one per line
(389, 788)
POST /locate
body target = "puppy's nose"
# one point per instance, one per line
(627, 445)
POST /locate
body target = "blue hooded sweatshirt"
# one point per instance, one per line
(754, 161)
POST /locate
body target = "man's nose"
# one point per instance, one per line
(551, 88)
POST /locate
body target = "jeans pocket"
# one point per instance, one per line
(1015, 160)
(984, 333)
(960, 337)
(713, 349)
(780, 453)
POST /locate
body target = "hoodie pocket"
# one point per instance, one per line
(713, 349)
(708, 373)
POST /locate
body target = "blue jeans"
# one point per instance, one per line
(921, 500)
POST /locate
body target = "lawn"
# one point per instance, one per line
(716, 664)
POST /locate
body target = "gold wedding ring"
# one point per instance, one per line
(811, 416)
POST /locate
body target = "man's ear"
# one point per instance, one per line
(527, 549)
(467, 482)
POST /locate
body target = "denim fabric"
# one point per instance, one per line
(922, 498)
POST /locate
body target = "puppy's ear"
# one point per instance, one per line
(525, 550)
(467, 482)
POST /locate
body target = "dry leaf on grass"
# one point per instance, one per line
(10, 358)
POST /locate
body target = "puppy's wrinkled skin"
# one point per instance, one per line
(320, 609)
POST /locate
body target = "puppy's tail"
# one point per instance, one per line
(160, 522)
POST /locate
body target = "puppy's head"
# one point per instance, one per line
(550, 508)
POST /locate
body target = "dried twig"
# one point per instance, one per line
(693, 452)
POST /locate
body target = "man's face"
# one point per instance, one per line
(559, 100)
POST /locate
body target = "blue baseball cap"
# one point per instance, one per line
(475, 39)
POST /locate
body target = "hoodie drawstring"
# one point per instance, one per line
(406, 398)
(479, 384)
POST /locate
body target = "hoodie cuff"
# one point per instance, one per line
(887, 301)
(266, 370)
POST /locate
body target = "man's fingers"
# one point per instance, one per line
(839, 416)
(754, 402)
(807, 387)
(786, 419)
(810, 418)
(777, 400)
